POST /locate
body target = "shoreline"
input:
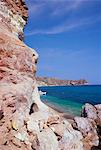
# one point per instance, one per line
(60, 112)
(62, 85)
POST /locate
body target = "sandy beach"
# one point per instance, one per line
(60, 112)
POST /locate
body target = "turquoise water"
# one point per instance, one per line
(71, 98)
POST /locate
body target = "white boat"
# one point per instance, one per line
(42, 93)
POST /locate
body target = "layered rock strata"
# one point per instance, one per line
(25, 122)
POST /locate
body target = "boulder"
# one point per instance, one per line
(92, 112)
(58, 129)
(36, 121)
(88, 128)
(53, 120)
(98, 107)
(71, 140)
(32, 126)
(89, 111)
(48, 140)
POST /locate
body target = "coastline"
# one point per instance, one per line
(63, 85)
(68, 85)
(59, 112)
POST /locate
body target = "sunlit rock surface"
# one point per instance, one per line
(25, 122)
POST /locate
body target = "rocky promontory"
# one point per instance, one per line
(25, 122)
(46, 81)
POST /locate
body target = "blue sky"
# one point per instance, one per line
(67, 36)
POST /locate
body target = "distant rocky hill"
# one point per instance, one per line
(45, 81)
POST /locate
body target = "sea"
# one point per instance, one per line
(71, 99)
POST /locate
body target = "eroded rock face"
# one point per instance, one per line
(71, 140)
(89, 111)
(25, 122)
(17, 68)
(13, 15)
(48, 140)
(92, 112)
(88, 128)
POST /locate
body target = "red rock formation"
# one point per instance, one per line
(17, 68)
(13, 16)
(25, 122)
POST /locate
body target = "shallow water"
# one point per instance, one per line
(71, 98)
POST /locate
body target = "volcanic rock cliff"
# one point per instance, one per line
(25, 122)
